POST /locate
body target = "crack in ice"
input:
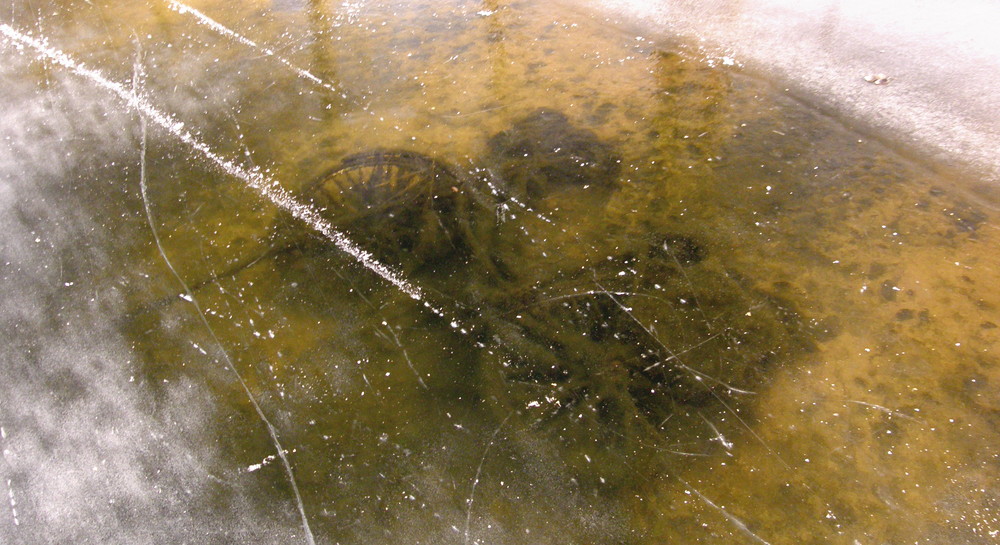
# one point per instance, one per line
(272, 432)
(739, 524)
(218, 27)
(254, 178)
(475, 481)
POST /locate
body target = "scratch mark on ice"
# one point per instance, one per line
(254, 178)
(673, 356)
(699, 377)
(475, 481)
(727, 444)
(136, 81)
(218, 27)
(886, 410)
(406, 356)
(739, 524)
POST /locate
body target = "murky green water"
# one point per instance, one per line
(640, 296)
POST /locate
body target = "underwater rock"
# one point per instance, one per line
(544, 150)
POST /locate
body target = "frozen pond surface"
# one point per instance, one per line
(470, 272)
(934, 65)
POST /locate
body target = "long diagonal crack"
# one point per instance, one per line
(272, 432)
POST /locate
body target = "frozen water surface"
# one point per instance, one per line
(470, 272)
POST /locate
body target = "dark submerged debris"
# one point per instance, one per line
(601, 358)
(544, 150)
(965, 218)
(657, 331)
(619, 346)
(410, 209)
